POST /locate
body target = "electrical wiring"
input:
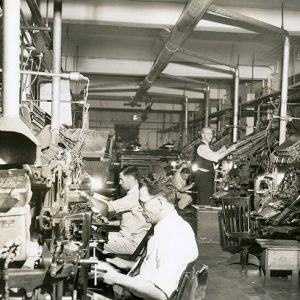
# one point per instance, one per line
(34, 79)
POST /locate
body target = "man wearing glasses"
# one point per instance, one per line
(171, 248)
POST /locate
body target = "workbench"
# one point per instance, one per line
(280, 255)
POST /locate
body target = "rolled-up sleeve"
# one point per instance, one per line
(127, 202)
(205, 152)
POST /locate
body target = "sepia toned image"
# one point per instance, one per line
(150, 149)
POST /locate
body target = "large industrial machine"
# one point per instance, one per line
(44, 222)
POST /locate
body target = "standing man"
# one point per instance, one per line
(171, 248)
(204, 166)
(133, 225)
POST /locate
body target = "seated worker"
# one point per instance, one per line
(133, 225)
(171, 248)
(179, 180)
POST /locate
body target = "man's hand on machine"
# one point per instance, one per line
(105, 271)
(121, 263)
(84, 195)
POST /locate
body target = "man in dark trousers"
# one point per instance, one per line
(203, 166)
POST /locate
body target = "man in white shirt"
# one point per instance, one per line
(171, 248)
(204, 166)
(133, 225)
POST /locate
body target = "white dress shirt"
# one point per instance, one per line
(133, 224)
(171, 248)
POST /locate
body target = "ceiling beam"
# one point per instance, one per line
(155, 98)
(135, 110)
(126, 67)
(149, 14)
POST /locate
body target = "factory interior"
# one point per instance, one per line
(99, 97)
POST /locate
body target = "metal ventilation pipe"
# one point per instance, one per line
(187, 21)
(205, 91)
(11, 52)
(234, 71)
(55, 105)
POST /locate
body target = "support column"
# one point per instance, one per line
(55, 107)
(284, 89)
(11, 53)
(207, 108)
(236, 105)
(186, 121)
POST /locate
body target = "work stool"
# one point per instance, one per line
(280, 255)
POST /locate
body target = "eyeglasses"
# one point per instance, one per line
(143, 203)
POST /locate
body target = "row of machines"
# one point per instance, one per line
(45, 226)
(266, 172)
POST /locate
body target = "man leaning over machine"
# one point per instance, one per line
(133, 225)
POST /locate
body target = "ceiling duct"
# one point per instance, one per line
(189, 18)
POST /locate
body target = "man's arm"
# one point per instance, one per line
(138, 286)
(187, 187)
(121, 263)
(224, 152)
(126, 203)
(205, 152)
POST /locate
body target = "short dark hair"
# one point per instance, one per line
(185, 171)
(159, 185)
(130, 170)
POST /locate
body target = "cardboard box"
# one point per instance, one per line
(209, 224)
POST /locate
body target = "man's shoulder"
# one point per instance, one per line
(175, 225)
(203, 144)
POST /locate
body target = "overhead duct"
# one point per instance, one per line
(191, 15)
(234, 71)
(219, 14)
(18, 145)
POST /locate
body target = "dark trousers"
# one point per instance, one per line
(205, 187)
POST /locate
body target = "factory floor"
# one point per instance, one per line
(228, 283)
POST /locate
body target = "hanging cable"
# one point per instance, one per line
(35, 77)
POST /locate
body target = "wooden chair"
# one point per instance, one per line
(192, 284)
(237, 226)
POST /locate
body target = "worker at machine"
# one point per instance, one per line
(171, 248)
(179, 180)
(204, 166)
(133, 225)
